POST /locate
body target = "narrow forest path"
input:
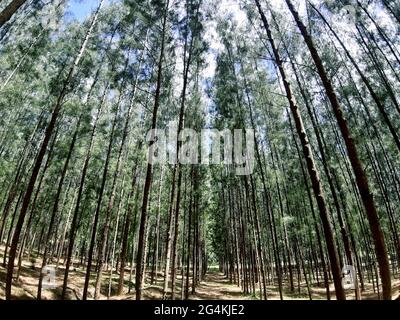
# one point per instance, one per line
(216, 287)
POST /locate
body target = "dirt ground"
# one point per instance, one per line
(214, 287)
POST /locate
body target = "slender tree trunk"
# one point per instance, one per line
(312, 170)
(55, 206)
(110, 206)
(154, 274)
(74, 221)
(114, 243)
(41, 154)
(10, 10)
(99, 201)
(361, 177)
(140, 260)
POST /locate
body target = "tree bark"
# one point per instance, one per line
(311, 166)
(140, 260)
(10, 10)
(41, 154)
(361, 177)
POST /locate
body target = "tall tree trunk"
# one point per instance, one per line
(114, 243)
(10, 10)
(126, 229)
(140, 260)
(361, 177)
(110, 206)
(312, 170)
(55, 206)
(75, 215)
(154, 273)
(41, 154)
(100, 200)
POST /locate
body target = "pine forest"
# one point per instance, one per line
(199, 150)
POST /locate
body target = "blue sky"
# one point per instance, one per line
(82, 8)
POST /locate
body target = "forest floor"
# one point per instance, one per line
(214, 287)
